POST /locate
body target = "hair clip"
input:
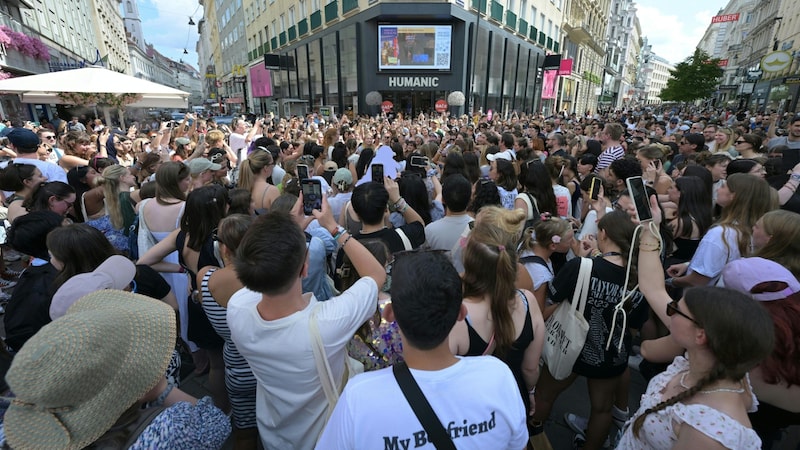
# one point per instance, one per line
(501, 248)
(545, 216)
(462, 242)
(556, 239)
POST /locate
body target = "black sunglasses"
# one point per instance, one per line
(672, 309)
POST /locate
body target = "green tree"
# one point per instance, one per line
(696, 77)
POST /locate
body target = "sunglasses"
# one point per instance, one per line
(49, 137)
(672, 309)
(741, 141)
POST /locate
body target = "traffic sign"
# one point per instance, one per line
(441, 106)
(387, 106)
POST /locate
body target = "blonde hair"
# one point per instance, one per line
(214, 137)
(255, 161)
(110, 182)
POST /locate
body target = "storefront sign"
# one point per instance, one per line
(565, 67)
(387, 106)
(725, 18)
(441, 106)
(723, 63)
(413, 82)
(794, 79)
(776, 61)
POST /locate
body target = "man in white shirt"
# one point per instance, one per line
(475, 399)
(269, 321)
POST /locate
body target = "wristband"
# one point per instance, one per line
(337, 232)
(668, 282)
(795, 177)
(532, 391)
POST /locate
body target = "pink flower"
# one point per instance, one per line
(556, 239)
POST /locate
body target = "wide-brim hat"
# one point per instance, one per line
(77, 375)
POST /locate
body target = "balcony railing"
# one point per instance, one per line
(542, 38)
(302, 27)
(479, 5)
(497, 11)
(349, 5)
(274, 42)
(534, 34)
(292, 33)
(331, 11)
(282, 38)
(316, 20)
(511, 20)
(523, 27)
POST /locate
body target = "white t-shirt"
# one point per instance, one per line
(290, 404)
(712, 254)
(563, 201)
(53, 172)
(539, 273)
(476, 400)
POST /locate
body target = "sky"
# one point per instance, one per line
(165, 24)
(675, 27)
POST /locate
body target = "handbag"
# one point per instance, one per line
(437, 435)
(566, 329)
(352, 367)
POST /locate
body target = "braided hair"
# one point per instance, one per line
(737, 345)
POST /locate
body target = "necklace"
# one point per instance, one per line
(611, 254)
(711, 391)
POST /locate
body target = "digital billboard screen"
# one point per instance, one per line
(404, 47)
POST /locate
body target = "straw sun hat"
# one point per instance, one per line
(78, 374)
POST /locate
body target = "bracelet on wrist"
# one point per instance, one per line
(532, 391)
(349, 236)
(164, 394)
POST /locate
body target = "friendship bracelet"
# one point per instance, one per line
(349, 236)
(163, 396)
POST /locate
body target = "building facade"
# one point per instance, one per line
(657, 74)
(585, 26)
(413, 54)
(109, 30)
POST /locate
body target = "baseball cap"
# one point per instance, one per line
(501, 155)
(330, 166)
(674, 120)
(684, 128)
(343, 178)
(182, 141)
(200, 165)
(23, 138)
(746, 273)
(116, 272)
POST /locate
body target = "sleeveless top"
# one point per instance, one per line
(514, 356)
(200, 330)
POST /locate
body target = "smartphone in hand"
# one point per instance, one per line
(594, 190)
(302, 171)
(377, 173)
(638, 193)
(312, 195)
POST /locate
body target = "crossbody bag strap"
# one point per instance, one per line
(437, 435)
(321, 359)
(406, 242)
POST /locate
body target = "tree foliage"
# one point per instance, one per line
(694, 78)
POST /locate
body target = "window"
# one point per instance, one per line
(541, 22)
(283, 23)
(291, 16)
(533, 16)
(512, 5)
(274, 28)
(523, 9)
(550, 28)
(130, 7)
(302, 9)
(315, 5)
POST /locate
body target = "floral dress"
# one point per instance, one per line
(658, 430)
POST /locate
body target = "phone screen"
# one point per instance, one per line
(312, 195)
(377, 173)
(638, 193)
(595, 189)
(419, 161)
(302, 171)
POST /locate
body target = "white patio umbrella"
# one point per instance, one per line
(94, 86)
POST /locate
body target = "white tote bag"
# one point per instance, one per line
(566, 329)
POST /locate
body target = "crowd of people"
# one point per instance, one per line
(435, 260)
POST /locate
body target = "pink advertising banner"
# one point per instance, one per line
(550, 78)
(565, 67)
(260, 81)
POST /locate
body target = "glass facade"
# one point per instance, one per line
(337, 67)
(330, 70)
(348, 51)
